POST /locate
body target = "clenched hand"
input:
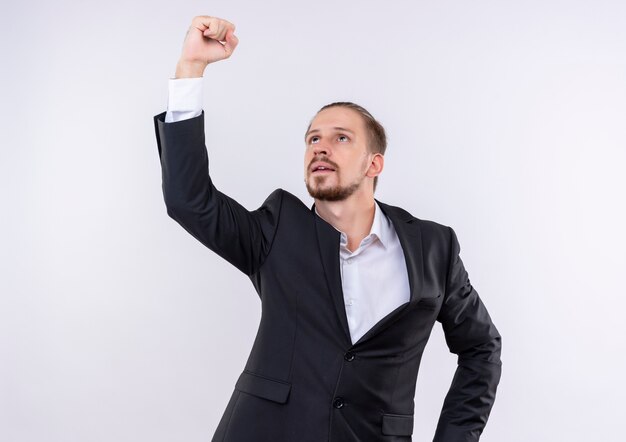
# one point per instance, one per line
(209, 39)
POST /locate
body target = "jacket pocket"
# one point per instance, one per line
(263, 387)
(397, 424)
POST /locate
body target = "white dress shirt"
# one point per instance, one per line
(374, 277)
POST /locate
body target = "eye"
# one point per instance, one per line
(343, 138)
(313, 139)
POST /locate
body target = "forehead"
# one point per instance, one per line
(338, 116)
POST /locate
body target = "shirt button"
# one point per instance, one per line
(338, 402)
(349, 356)
(349, 260)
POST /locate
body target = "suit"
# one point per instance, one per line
(304, 380)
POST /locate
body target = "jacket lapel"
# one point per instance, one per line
(410, 238)
(328, 240)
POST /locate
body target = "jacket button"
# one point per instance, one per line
(338, 402)
(349, 356)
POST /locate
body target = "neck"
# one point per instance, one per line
(354, 216)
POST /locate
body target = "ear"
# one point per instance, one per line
(376, 166)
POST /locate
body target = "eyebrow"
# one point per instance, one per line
(343, 129)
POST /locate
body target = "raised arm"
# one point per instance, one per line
(219, 222)
(471, 335)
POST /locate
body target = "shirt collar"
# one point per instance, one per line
(380, 226)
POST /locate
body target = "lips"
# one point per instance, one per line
(321, 167)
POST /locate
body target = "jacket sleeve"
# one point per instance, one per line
(242, 237)
(472, 336)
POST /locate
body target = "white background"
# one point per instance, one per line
(505, 121)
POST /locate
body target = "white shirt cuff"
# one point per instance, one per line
(184, 99)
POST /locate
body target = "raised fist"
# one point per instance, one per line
(209, 39)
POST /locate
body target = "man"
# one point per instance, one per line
(350, 288)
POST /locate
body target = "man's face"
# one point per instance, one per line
(336, 140)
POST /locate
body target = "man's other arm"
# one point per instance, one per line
(471, 335)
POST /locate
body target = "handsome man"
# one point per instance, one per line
(350, 288)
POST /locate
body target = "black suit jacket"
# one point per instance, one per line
(304, 380)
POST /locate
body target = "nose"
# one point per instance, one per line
(321, 148)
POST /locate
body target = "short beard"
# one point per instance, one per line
(336, 193)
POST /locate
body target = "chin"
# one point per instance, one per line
(331, 193)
